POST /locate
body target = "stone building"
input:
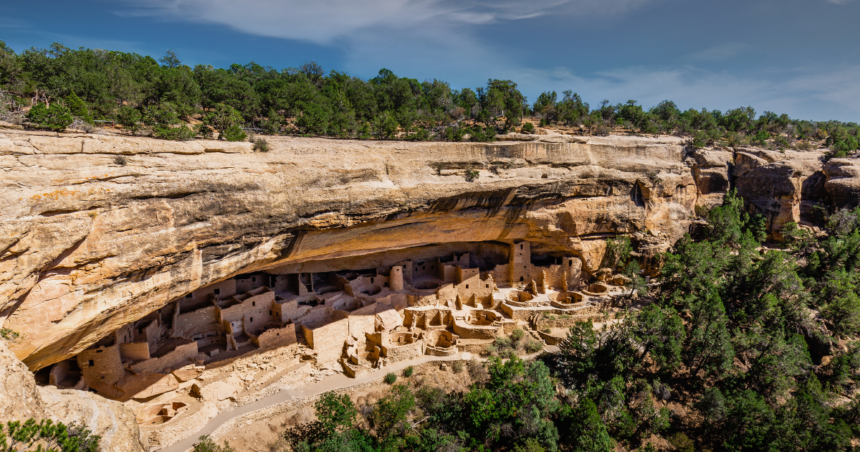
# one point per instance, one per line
(361, 318)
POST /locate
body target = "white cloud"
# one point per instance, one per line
(324, 21)
(419, 38)
(806, 93)
(440, 38)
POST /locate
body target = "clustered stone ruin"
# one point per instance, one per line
(362, 320)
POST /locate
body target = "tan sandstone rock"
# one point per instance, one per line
(113, 421)
(19, 395)
(88, 244)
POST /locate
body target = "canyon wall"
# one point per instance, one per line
(90, 242)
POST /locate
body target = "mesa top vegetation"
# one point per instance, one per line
(163, 94)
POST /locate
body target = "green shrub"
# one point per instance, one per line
(129, 118)
(56, 117)
(407, 372)
(272, 124)
(547, 330)
(390, 378)
(121, 160)
(482, 135)
(803, 146)
(261, 145)
(760, 138)
(455, 133)
(180, 133)
(8, 334)
(204, 131)
(223, 118)
(472, 175)
(517, 335)
(78, 108)
(528, 128)
(682, 442)
(160, 115)
(781, 142)
(502, 343)
(207, 445)
(234, 133)
(534, 346)
(24, 436)
(457, 366)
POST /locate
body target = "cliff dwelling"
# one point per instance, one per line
(427, 301)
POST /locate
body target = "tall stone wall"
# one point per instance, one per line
(101, 366)
(175, 359)
(135, 351)
(196, 323)
(327, 340)
(277, 337)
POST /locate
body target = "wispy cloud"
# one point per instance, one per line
(442, 38)
(805, 93)
(324, 21)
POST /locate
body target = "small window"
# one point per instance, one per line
(217, 291)
(140, 331)
(488, 286)
(521, 278)
(371, 280)
(103, 377)
(253, 303)
(91, 363)
(99, 351)
(278, 334)
(521, 246)
(254, 279)
(467, 286)
(252, 319)
(570, 263)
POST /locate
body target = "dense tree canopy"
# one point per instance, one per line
(736, 346)
(306, 100)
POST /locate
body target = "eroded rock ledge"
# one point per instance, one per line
(90, 242)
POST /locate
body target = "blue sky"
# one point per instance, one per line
(800, 57)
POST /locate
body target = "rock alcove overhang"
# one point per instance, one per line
(89, 245)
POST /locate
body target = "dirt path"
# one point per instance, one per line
(328, 384)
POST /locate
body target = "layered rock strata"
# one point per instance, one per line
(99, 231)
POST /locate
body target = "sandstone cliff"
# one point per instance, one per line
(21, 399)
(90, 242)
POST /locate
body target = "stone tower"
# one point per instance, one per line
(520, 262)
(395, 278)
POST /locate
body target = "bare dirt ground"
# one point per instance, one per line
(261, 436)
(252, 427)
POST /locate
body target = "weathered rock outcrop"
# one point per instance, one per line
(22, 399)
(843, 181)
(90, 241)
(776, 183)
(19, 395)
(113, 421)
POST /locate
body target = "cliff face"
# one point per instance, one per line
(90, 242)
(22, 399)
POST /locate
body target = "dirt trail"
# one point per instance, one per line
(328, 384)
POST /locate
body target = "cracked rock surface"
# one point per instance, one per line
(90, 242)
